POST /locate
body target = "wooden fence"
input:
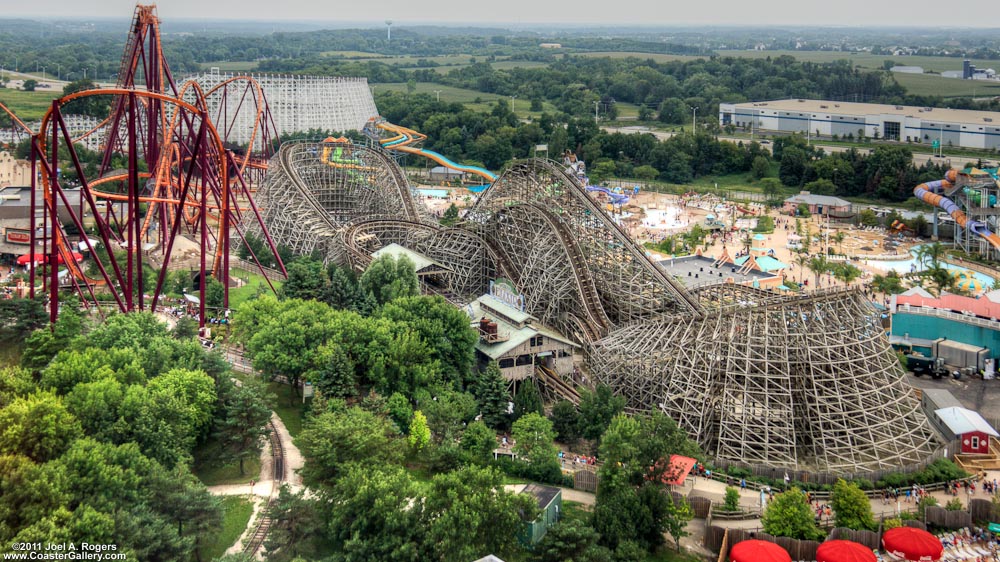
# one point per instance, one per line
(867, 538)
(941, 517)
(984, 510)
(721, 540)
(585, 480)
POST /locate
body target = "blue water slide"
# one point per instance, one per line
(616, 198)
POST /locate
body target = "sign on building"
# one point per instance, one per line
(505, 291)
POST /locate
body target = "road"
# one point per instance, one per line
(919, 158)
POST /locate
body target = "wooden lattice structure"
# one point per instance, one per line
(802, 382)
(788, 381)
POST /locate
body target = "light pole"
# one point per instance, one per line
(694, 120)
(596, 104)
(438, 94)
(512, 98)
(84, 73)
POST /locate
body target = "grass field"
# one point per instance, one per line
(240, 295)
(236, 512)
(522, 107)
(288, 406)
(28, 106)
(934, 85)
(658, 57)
(212, 473)
(230, 65)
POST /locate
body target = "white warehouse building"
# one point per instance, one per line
(952, 127)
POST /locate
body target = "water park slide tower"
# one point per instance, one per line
(970, 197)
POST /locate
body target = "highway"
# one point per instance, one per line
(919, 158)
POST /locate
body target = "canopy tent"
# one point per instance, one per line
(994, 528)
(758, 551)
(678, 469)
(912, 544)
(40, 258)
(844, 551)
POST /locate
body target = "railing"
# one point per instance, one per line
(948, 315)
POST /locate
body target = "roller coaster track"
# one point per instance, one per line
(554, 383)
(318, 210)
(597, 321)
(278, 469)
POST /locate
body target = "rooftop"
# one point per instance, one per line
(813, 199)
(421, 263)
(961, 421)
(853, 108)
(517, 334)
(684, 269)
(544, 494)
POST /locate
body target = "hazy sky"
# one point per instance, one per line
(968, 13)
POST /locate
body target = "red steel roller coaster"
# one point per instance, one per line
(181, 178)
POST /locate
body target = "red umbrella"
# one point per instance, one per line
(758, 551)
(912, 544)
(844, 551)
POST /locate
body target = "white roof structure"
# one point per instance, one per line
(962, 420)
(422, 264)
(918, 291)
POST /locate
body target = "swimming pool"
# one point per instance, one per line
(439, 193)
(910, 265)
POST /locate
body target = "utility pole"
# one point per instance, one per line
(694, 120)
(438, 94)
(512, 98)
(596, 104)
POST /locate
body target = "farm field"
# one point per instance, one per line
(931, 84)
(29, 106)
(230, 65)
(522, 107)
(867, 60)
(658, 57)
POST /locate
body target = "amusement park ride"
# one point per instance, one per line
(181, 178)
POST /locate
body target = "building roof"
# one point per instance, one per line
(543, 494)
(684, 269)
(813, 199)
(961, 421)
(515, 314)
(421, 263)
(516, 335)
(983, 308)
(768, 264)
(488, 558)
(851, 108)
(942, 398)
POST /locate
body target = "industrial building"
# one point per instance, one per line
(949, 127)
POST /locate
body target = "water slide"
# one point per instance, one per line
(406, 137)
(615, 198)
(929, 193)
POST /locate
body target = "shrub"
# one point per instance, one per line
(732, 501)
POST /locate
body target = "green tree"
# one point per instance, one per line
(186, 328)
(400, 411)
(760, 167)
(533, 442)
(246, 412)
(388, 278)
(789, 515)
(306, 280)
(923, 504)
(771, 188)
(851, 507)
(818, 265)
(868, 217)
(420, 434)
(332, 440)
(296, 524)
(334, 375)
(93, 106)
(375, 513)
(490, 391)
(732, 499)
(646, 172)
(565, 421)
(29, 85)
(954, 504)
(443, 327)
(793, 166)
(37, 426)
(678, 515)
(468, 512)
(478, 440)
(215, 293)
(527, 400)
(450, 216)
(597, 408)
(570, 540)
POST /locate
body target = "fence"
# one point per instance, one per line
(799, 477)
(721, 540)
(867, 538)
(585, 480)
(941, 517)
(983, 510)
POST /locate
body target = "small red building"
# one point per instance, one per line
(972, 431)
